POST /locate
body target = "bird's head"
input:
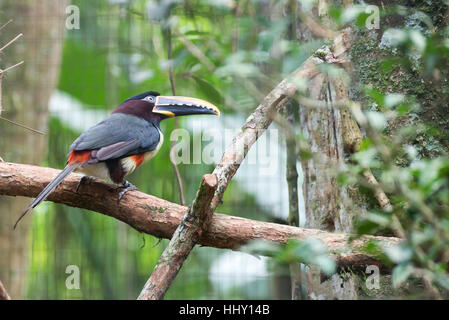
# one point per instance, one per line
(151, 104)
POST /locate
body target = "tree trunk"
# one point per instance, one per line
(324, 199)
(26, 93)
(326, 202)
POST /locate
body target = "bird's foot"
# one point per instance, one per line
(127, 186)
(83, 179)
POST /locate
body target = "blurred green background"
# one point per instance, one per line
(120, 50)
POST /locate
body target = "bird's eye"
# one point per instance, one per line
(150, 98)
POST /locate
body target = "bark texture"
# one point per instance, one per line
(3, 293)
(325, 200)
(293, 205)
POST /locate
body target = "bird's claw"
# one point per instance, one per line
(127, 187)
(83, 179)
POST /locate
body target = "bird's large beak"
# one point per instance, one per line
(173, 106)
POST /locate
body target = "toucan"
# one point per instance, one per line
(130, 136)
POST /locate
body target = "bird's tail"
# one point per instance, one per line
(49, 188)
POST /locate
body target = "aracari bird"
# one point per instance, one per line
(131, 135)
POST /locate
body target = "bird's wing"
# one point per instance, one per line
(118, 136)
(116, 150)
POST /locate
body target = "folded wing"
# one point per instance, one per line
(118, 136)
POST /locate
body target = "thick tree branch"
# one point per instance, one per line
(160, 218)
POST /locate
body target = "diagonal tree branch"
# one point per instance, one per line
(3, 293)
(160, 218)
(182, 243)
(5, 24)
(184, 239)
(11, 41)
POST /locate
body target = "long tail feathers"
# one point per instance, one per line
(49, 189)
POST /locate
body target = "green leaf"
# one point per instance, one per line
(380, 219)
(442, 280)
(400, 253)
(394, 37)
(311, 251)
(418, 40)
(261, 247)
(211, 93)
(367, 227)
(376, 95)
(401, 273)
(376, 119)
(366, 158)
(393, 99)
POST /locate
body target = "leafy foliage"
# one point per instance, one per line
(408, 153)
